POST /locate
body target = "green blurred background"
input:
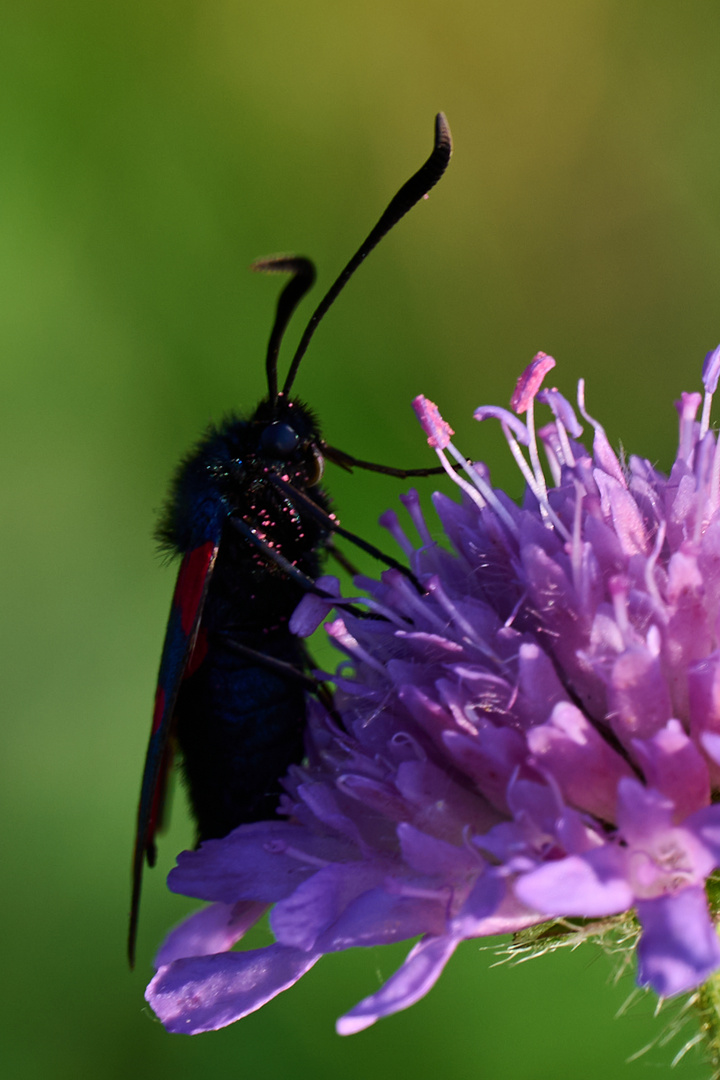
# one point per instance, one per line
(148, 152)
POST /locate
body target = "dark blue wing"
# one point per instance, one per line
(182, 651)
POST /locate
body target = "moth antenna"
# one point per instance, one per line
(303, 277)
(411, 192)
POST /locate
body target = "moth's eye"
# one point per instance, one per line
(279, 440)
(317, 468)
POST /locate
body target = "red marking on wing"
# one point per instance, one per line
(191, 582)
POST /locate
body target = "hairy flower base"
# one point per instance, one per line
(533, 738)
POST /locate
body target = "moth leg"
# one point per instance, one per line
(349, 462)
(281, 666)
(341, 559)
(314, 686)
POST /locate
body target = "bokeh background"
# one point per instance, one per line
(148, 152)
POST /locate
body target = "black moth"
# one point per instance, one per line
(251, 523)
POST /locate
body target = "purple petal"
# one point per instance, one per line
(620, 505)
(590, 885)
(442, 806)
(485, 906)
(389, 520)
(642, 812)
(687, 408)
(379, 917)
(639, 697)
(710, 742)
(673, 764)
(690, 630)
(538, 803)
(266, 860)
(705, 825)
(322, 801)
(679, 946)
(583, 764)
(704, 703)
(539, 682)
(213, 929)
(489, 759)
(208, 992)
(312, 609)
(419, 973)
(316, 903)
(379, 797)
(507, 843)
(428, 855)
(492, 908)
(574, 833)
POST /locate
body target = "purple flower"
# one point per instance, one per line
(536, 736)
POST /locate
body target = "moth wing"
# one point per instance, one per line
(180, 655)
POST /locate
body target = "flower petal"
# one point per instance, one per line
(262, 861)
(419, 973)
(590, 885)
(581, 761)
(213, 929)
(316, 903)
(679, 946)
(674, 765)
(379, 917)
(209, 992)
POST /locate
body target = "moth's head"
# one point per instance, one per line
(286, 432)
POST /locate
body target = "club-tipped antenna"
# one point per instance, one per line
(303, 277)
(411, 192)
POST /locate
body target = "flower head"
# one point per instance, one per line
(534, 735)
